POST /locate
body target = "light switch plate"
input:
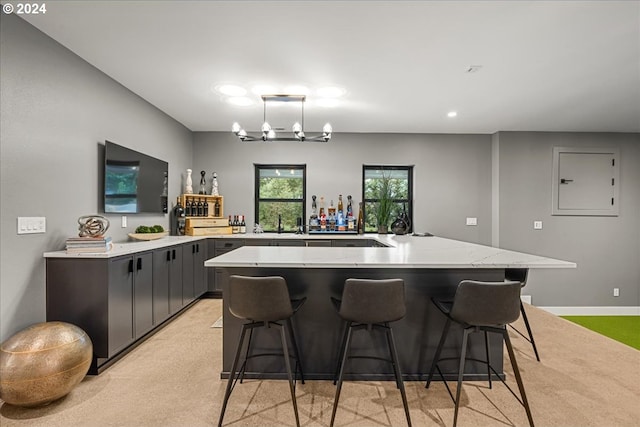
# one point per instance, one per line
(472, 221)
(537, 225)
(124, 221)
(32, 224)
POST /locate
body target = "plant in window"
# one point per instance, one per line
(385, 203)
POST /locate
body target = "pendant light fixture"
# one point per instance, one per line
(267, 133)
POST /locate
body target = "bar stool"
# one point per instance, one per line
(370, 304)
(481, 307)
(264, 302)
(520, 275)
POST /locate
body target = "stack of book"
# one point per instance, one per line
(88, 244)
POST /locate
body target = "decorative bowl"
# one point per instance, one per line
(148, 236)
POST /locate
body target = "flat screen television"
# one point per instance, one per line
(133, 181)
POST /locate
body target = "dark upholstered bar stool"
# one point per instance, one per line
(371, 304)
(481, 307)
(263, 302)
(520, 275)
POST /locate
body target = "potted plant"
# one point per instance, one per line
(385, 204)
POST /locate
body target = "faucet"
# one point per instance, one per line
(279, 223)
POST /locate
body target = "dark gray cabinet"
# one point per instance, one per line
(118, 301)
(193, 276)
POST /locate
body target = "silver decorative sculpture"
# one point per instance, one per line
(188, 187)
(92, 226)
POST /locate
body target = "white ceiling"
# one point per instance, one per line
(546, 66)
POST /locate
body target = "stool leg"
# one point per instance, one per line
(246, 356)
(295, 350)
(341, 374)
(287, 363)
(396, 368)
(343, 343)
(234, 366)
(486, 347)
(436, 357)
(516, 373)
(463, 356)
(526, 323)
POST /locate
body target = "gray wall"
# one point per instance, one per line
(452, 173)
(606, 249)
(56, 110)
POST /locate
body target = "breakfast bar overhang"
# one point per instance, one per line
(430, 267)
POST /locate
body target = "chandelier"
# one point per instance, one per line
(268, 133)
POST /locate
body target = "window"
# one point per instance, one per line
(401, 184)
(280, 192)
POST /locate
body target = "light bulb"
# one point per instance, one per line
(327, 128)
(266, 127)
(271, 134)
(242, 133)
(235, 128)
(297, 127)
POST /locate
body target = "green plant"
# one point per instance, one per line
(149, 229)
(385, 204)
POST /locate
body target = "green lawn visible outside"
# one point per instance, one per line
(625, 329)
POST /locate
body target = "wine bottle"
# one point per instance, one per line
(235, 227)
(206, 208)
(200, 207)
(313, 219)
(360, 220)
(323, 216)
(178, 215)
(188, 207)
(243, 225)
(216, 209)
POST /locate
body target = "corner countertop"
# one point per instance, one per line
(402, 252)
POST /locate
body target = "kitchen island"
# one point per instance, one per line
(430, 266)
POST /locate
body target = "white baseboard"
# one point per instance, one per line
(594, 311)
(526, 299)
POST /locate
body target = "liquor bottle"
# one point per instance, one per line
(178, 215)
(188, 207)
(323, 216)
(313, 220)
(216, 209)
(349, 207)
(243, 225)
(340, 206)
(340, 222)
(206, 208)
(360, 220)
(200, 207)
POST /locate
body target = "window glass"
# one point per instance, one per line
(401, 189)
(280, 193)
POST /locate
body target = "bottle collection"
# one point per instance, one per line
(200, 207)
(238, 224)
(334, 219)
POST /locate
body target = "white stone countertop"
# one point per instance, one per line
(403, 252)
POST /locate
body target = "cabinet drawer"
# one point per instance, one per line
(228, 244)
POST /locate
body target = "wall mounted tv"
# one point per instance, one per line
(133, 182)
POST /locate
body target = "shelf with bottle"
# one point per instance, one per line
(336, 221)
(202, 206)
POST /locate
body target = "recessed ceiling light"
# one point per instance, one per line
(331, 92)
(264, 90)
(231, 90)
(452, 114)
(241, 101)
(296, 90)
(327, 102)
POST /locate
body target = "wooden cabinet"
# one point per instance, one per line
(193, 272)
(167, 283)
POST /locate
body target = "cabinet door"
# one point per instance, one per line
(210, 271)
(188, 291)
(143, 294)
(175, 280)
(199, 273)
(161, 265)
(120, 304)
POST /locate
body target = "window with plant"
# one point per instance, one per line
(387, 192)
(280, 191)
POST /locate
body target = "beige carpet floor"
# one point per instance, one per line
(584, 379)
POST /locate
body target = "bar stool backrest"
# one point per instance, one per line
(486, 303)
(518, 274)
(372, 301)
(261, 299)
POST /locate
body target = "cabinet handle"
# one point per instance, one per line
(168, 255)
(197, 248)
(130, 266)
(174, 254)
(228, 245)
(139, 264)
(193, 249)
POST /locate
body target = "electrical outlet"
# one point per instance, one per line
(537, 225)
(124, 221)
(472, 221)
(616, 292)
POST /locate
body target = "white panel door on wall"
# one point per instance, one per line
(585, 182)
